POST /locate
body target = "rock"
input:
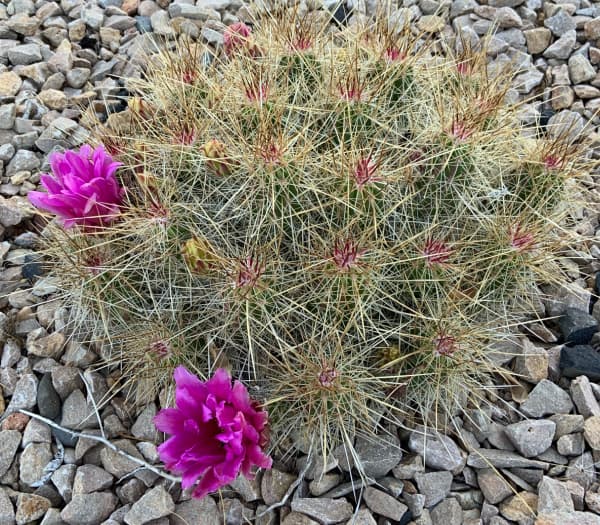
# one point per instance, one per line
(49, 346)
(117, 464)
(23, 160)
(483, 458)
(23, 24)
(592, 500)
(89, 509)
(53, 99)
(494, 488)
(76, 413)
(193, 12)
(581, 470)
(30, 508)
(8, 112)
(521, 507)
(592, 29)
(198, 512)
(7, 511)
(577, 326)
(36, 432)
(156, 503)
(48, 401)
(532, 364)
(531, 438)
(161, 25)
(33, 460)
(538, 39)
(409, 467)
(583, 397)
(325, 483)
(568, 123)
(62, 478)
(591, 432)
(547, 398)
(326, 510)
(9, 443)
(562, 98)
(25, 394)
(567, 424)
(378, 456)
(570, 445)
(581, 71)
(568, 518)
(275, 484)
(435, 486)
(553, 496)
(383, 504)
(90, 478)
(560, 23)
(295, 518)
(438, 451)
(580, 360)
(362, 517)
(563, 47)
(25, 54)
(248, 489)
(448, 512)
(16, 421)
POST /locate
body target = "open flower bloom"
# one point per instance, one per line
(82, 188)
(216, 432)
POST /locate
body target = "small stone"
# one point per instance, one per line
(431, 23)
(562, 97)
(23, 160)
(362, 517)
(144, 428)
(580, 360)
(62, 478)
(568, 518)
(592, 29)
(117, 464)
(197, 511)
(547, 398)
(591, 432)
(33, 460)
(560, 23)
(581, 71)
(378, 456)
(275, 484)
(483, 458)
(538, 39)
(76, 412)
(53, 99)
(583, 397)
(570, 445)
(567, 424)
(160, 23)
(90, 478)
(89, 509)
(553, 496)
(383, 504)
(592, 500)
(577, 326)
(581, 470)
(563, 47)
(7, 511)
(494, 488)
(531, 438)
(8, 112)
(48, 401)
(448, 512)
(435, 486)
(23, 24)
(25, 54)
(326, 510)
(521, 507)
(295, 518)
(16, 421)
(36, 432)
(49, 346)
(248, 489)
(321, 485)
(155, 504)
(30, 508)
(438, 451)
(567, 123)
(409, 467)
(532, 364)
(25, 394)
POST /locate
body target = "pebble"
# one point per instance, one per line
(378, 456)
(547, 398)
(156, 503)
(563, 47)
(90, 478)
(521, 507)
(25, 394)
(383, 504)
(198, 512)
(568, 518)
(48, 401)
(89, 509)
(62, 478)
(570, 445)
(435, 486)
(438, 451)
(580, 360)
(7, 511)
(33, 460)
(77, 413)
(583, 397)
(581, 469)
(117, 464)
(483, 458)
(275, 484)
(591, 432)
(553, 496)
(577, 326)
(560, 23)
(494, 487)
(532, 364)
(531, 438)
(325, 510)
(448, 512)
(30, 508)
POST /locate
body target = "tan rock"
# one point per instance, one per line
(10, 83)
(53, 99)
(538, 39)
(520, 507)
(591, 432)
(431, 23)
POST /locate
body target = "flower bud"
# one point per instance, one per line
(199, 255)
(215, 153)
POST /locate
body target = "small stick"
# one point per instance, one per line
(105, 442)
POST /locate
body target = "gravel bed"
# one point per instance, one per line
(530, 460)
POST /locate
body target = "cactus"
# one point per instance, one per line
(342, 218)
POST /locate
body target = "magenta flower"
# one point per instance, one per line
(82, 189)
(216, 432)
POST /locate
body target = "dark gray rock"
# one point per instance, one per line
(577, 326)
(580, 360)
(48, 401)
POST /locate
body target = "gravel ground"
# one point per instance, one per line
(56, 57)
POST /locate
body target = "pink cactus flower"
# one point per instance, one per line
(365, 172)
(82, 189)
(520, 239)
(444, 344)
(436, 253)
(346, 255)
(236, 37)
(217, 431)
